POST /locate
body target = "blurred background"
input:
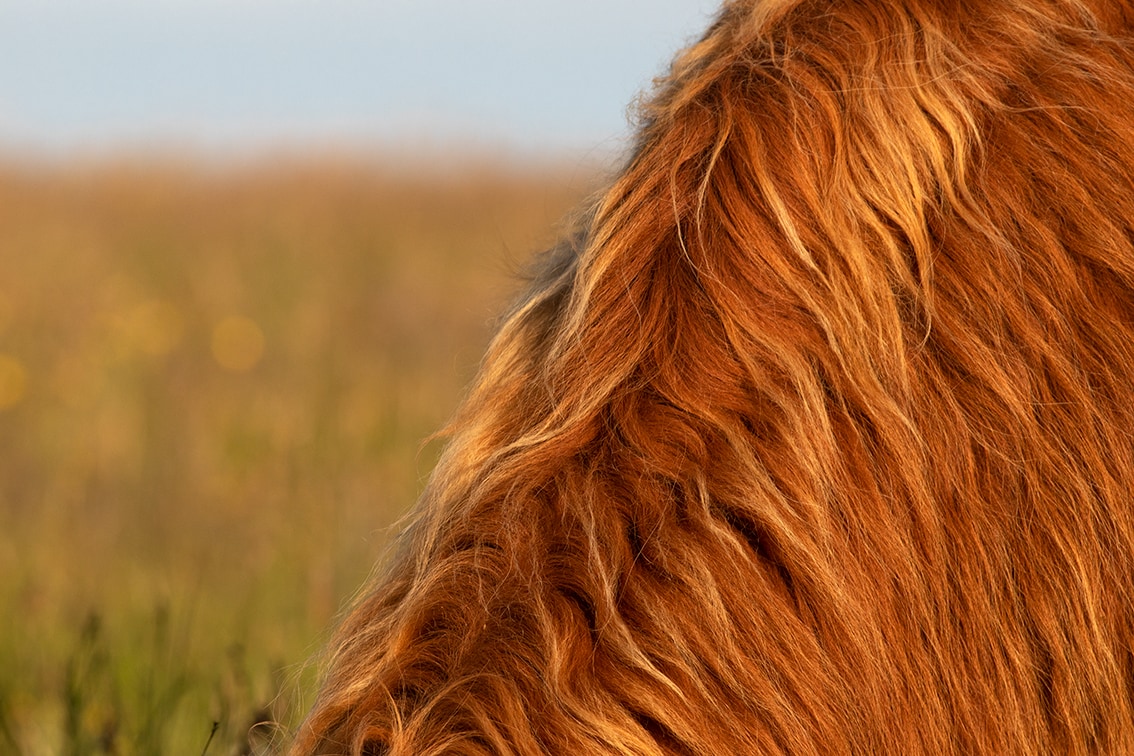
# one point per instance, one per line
(250, 254)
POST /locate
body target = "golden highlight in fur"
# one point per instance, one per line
(818, 438)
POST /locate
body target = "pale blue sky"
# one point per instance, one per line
(530, 75)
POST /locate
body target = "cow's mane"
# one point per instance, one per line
(818, 437)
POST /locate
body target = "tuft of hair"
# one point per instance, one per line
(818, 437)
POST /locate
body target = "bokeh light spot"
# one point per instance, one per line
(13, 381)
(238, 344)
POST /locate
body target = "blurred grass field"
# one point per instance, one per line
(214, 388)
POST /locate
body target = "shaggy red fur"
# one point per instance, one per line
(818, 438)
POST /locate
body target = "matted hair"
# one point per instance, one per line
(818, 438)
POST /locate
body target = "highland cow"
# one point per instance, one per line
(818, 437)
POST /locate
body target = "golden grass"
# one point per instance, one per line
(213, 390)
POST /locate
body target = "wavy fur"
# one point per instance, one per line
(817, 439)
